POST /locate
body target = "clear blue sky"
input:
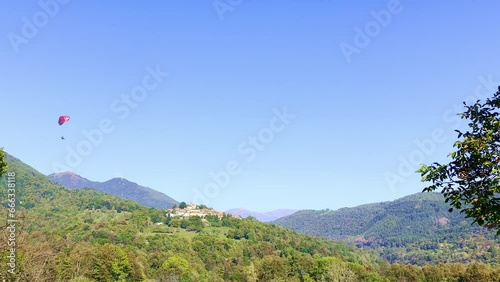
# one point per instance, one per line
(228, 70)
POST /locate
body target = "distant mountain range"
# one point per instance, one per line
(262, 216)
(119, 187)
(414, 229)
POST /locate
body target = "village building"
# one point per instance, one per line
(194, 210)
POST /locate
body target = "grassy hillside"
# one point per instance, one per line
(416, 229)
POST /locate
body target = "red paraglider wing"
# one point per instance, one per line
(63, 119)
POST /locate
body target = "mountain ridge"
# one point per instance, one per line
(119, 187)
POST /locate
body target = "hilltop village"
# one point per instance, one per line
(184, 210)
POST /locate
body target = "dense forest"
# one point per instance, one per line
(416, 229)
(86, 235)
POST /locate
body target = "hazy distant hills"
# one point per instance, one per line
(262, 216)
(416, 228)
(119, 187)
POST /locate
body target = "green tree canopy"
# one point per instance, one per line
(176, 268)
(182, 205)
(471, 181)
(3, 164)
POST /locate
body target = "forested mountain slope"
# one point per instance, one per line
(417, 229)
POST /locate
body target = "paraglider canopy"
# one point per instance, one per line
(63, 119)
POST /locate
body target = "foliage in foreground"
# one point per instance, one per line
(471, 181)
(3, 164)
